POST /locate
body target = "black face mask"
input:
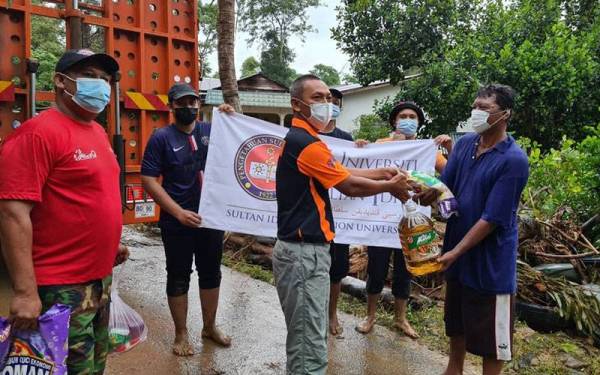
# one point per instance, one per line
(185, 116)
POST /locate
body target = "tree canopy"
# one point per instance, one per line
(250, 66)
(46, 50)
(384, 38)
(327, 73)
(548, 51)
(207, 35)
(286, 17)
(275, 60)
(272, 23)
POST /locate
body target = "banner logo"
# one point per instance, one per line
(255, 164)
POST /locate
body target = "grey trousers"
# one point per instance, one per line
(301, 272)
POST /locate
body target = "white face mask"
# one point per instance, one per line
(479, 120)
(320, 115)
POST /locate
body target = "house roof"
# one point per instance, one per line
(257, 90)
(208, 83)
(255, 82)
(353, 87)
(260, 82)
(356, 87)
(252, 98)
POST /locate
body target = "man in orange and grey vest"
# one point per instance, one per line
(301, 259)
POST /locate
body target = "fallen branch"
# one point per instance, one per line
(558, 256)
(428, 293)
(559, 231)
(589, 244)
(250, 242)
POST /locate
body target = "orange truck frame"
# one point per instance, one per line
(155, 43)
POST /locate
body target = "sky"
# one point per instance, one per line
(318, 47)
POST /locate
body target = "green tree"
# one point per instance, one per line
(529, 45)
(371, 127)
(285, 17)
(581, 14)
(207, 35)
(276, 65)
(553, 180)
(206, 68)
(384, 38)
(250, 66)
(327, 73)
(349, 78)
(47, 50)
(272, 23)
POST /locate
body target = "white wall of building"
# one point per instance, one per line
(361, 102)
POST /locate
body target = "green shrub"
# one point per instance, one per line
(568, 176)
(371, 128)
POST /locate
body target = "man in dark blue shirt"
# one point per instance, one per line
(340, 253)
(178, 153)
(487, 172)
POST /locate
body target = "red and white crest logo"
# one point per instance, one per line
(255, 165)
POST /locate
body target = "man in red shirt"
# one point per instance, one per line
(60, 210)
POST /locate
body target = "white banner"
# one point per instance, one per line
(238, 191)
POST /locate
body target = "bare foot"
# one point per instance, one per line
(406, 328)
(334, 326)
(366, 326)
(217, 336)
(182, 346)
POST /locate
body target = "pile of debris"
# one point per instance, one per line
(557, 240)
(556, 274)
(551, 303)
(556, 271)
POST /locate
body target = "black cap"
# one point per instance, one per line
(336, 93)
(179, 90)
(77, 56)
(403, 105)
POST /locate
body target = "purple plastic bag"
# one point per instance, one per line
(43, 351)
(4, 340)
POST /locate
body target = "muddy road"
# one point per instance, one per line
(249, 312)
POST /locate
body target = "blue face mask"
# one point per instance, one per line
(93, 94)
(336, 112)
(407, 126)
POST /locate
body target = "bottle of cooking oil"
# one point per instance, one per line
(419, 241)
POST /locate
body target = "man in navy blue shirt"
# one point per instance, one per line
(487, 172)
(340, 253)
(178, 153)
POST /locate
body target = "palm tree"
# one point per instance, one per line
(226, 35)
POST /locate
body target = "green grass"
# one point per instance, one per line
(534, 353)
(548, 350)
(252, 270)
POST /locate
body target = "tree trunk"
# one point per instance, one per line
(226, 33)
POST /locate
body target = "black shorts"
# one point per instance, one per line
(184, 246)
(485, 320)
(340, 263)
(377, 271)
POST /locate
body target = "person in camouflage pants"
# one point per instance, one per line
(88, 328)
(60, 209)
